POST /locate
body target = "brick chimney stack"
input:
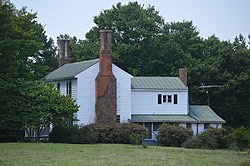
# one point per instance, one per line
(63, 45)
(106, 100)
(183, 75)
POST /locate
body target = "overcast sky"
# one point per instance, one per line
(224, 18)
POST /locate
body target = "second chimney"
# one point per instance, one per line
(63, 45)
(183, 75)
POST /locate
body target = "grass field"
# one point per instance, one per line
(113, 154)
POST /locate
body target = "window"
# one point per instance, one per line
(118, 118)
(206, 126)
(188, 125)
(169, 98)
(175, 98)
(159, 98)
(164, 99)
(69, 88)
(156, 126)
(58, 86)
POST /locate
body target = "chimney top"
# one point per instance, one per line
(183, 75)
(63, 46)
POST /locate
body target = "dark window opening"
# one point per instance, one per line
(69, 88)
(118, 118)
(159, 99)
(58, 86)
(175, 98)
(206, 125)
(169, 98)
(156, 126)
(164, 99)
(188, 125)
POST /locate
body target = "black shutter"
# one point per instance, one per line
(175, 98)
(159, 98)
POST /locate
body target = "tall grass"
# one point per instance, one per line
(113, 154)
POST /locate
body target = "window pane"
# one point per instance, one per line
(164, 98)
(169, 98)
(58, 85)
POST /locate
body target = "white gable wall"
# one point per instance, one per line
(86, 94)
(123, 93)
(147, 103)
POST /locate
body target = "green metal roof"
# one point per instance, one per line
(197, 114)
(205, 114)
(162, 118)
(157, 83)
(69, 71)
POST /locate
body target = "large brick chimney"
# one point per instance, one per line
(63, 45)
(183, 75)
(106, 101)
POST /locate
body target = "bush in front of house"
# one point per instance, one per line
(170, 135)
(241, 138)
(61, 134)
(117, 133)
(213, 138)
(72, 134)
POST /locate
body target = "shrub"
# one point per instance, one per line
(191, 143)
(209, 139)
(135, 138)
(61, 134)
(241, 138)
(206, 141)
(73, 134)
(213, 138)
(116, 133)
(170, 135)
(86, 136)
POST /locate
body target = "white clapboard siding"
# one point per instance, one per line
(86, 94)
(63, 87)
(147, 103)
(123, 93)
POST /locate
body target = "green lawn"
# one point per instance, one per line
(113, 154)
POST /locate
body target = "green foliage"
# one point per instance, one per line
(209, 139)
(117, 133)
(135, 138)
(191, 143)
(170, 135)
(26, 54)
(38, 104)
(241, 137)
(72, 134)
(214, 138)
(99, 133)
(245, 163)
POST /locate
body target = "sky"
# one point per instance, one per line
(222, 18)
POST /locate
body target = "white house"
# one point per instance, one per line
(106, 93)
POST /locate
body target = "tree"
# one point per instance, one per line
(37, 105)
(25, 53)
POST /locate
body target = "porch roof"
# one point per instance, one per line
(162, 118)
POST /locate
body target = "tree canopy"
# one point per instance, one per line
(26, 54)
